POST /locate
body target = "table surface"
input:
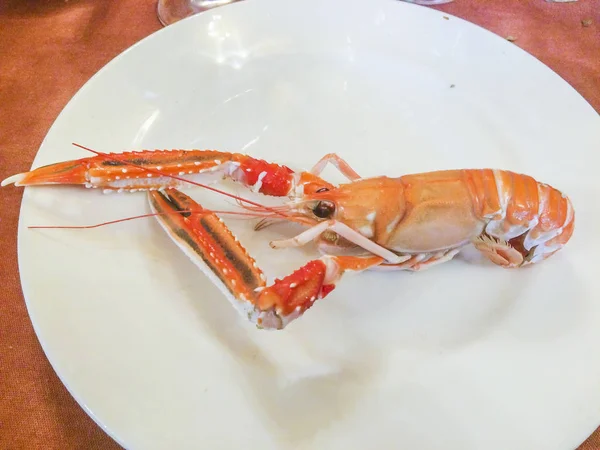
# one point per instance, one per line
(51, 48)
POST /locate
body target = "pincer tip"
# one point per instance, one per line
(16, 179)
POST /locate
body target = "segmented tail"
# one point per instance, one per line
(533, 217)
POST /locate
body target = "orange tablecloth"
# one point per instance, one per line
(50, 48)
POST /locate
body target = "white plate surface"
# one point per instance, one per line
(463, 356)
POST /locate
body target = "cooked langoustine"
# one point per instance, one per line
(410, 222)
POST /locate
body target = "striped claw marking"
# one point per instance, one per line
(207, 241)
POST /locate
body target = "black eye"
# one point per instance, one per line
(322, 190)
(324, 209)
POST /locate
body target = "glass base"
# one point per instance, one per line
(171, 11)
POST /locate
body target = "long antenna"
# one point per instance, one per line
(84, 227)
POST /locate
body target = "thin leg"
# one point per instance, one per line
(344, 231)
(339, 163)
(421, 261)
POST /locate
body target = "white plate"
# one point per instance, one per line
(463, 356)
